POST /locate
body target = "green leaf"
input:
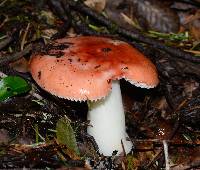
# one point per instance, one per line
(65, 135)
(11, 86)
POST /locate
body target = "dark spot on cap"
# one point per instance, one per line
(105, 50)
(109, 81)
(125, 68)
(39, 74)
(97, 66)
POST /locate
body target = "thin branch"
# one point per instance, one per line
(9, 39)
(5, 42)
(81, 27)
(158, 143)
(16, 56)
(191, 2)
(63, 14)
(166, 154)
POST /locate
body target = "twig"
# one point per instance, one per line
(16, 56)
(63, 14)
(4, 21)
(193, 51)
(5, 42)
(81, 27)
(130, 34)
(165, 146)
(9, 39)
(58, 9)
(191, 2)
(2, 3)
(24, 37)
(158, 142)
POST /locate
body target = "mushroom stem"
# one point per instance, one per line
(107, 121)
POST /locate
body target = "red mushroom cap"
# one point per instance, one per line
(83, 67)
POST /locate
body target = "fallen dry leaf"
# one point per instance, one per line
(97, 5)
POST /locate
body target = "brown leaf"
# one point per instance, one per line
(97, 5)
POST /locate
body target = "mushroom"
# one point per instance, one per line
(88, 68)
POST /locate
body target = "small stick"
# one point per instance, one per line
(166, 154)
(158, 142)
(24, 37)
(191, 2)
(16, 56)
(5, 42)
(9, 38)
